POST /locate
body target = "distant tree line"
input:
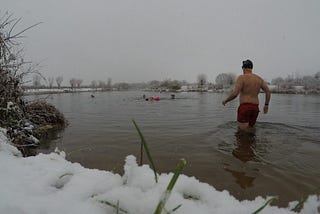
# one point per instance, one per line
(225, 80)
(308, 82)
(37, 81)
(222, 81)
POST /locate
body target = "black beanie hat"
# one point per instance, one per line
(247, 64)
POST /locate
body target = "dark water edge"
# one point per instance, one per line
(279, 159)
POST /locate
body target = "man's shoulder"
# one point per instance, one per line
(241, 76)
(255, 76)
(251, 78)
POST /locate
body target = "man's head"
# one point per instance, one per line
(247, 64)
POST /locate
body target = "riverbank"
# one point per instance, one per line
(294, 91)
(40, 91)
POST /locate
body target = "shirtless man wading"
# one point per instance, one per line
(249, 85)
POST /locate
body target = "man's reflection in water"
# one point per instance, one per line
(242, 179)
(246, 143)
(244, 151)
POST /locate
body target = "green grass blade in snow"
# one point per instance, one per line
(300, 204)
(176, 208)
(267, 202)
(116, 207)
(173, 181)
(147, 150)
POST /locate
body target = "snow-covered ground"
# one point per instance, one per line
(47, 183)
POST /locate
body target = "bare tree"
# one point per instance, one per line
(172, 85)
(59, 80)
(50, 81)
(225, 80)
(109, 83)
(102, 84)
(13, 68)
(154, 84)
(78, 82)
(94, 84)
(202, 80)
(233, 78)
(14, 112)
(122, 86)
(36, 81)
(310, 82)
(73, 82)
(278, 82)
(317, 75)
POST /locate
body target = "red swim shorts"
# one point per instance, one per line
(248, 113)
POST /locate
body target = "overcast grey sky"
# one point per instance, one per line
(142, 40)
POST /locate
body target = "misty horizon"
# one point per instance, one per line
(140, 41)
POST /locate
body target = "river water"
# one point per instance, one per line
(280, 158)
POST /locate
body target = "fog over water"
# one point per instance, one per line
(136, 41)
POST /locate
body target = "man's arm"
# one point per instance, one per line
(266, 90)
(235, 91)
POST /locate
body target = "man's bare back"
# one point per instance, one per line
(248, 85)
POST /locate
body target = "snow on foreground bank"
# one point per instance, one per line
(46, 184)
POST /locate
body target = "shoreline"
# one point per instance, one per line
(42, 91)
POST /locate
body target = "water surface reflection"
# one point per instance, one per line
(245, 145)
(279, 158)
